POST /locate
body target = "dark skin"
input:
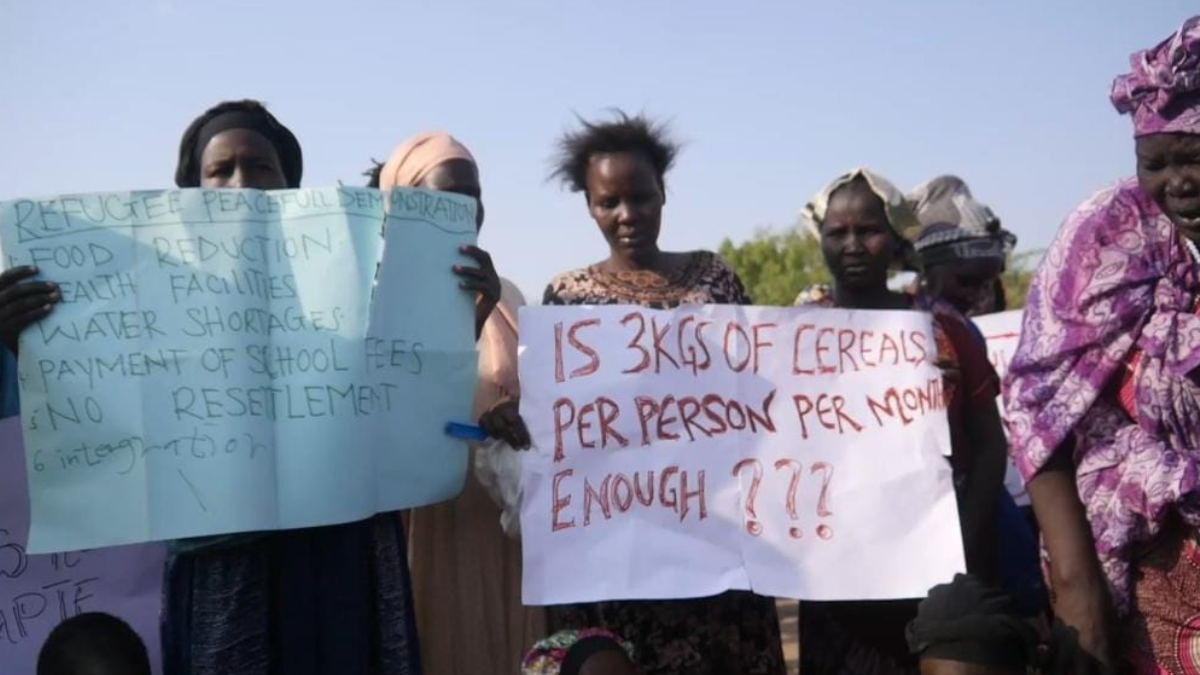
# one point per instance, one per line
(1168, 171)
(460, 176)
(625, 197)
(859, 247)
(947, 667)
(969, 285)
(608, 663)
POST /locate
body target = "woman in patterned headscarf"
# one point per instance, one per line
(961, 246)
(865, 226)
(1102, 394)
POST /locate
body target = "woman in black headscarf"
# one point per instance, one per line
(315, 601)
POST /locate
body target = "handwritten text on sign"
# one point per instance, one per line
(223, 361)
(37, 592)
(1003, 332)
(794, 452)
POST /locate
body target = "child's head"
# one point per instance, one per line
(967, 628)
(93, 644)
(591, 651)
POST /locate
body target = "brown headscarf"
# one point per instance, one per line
(413, 159)
(408, 165)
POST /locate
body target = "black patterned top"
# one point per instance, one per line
(704, 279)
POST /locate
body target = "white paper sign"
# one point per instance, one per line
(1003, 332)
(795, 452)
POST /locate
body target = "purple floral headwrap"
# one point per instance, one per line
(1162, 93)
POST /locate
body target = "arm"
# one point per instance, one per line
(1080, 593)
(985, 475)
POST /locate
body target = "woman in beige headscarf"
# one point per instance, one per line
(466, 573)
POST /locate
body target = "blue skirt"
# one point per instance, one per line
(316, 601)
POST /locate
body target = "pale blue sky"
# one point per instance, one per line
(772, 98)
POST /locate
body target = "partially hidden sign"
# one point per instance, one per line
(37, 592)
(236, 360)
(793, 452)
(1003, 333)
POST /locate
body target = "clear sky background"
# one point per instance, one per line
(773, 99)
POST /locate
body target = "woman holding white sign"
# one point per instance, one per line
(1103, 396)
(865, 226)
(620, 168)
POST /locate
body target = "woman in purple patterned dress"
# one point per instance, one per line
(620, 168)
(1103, 394)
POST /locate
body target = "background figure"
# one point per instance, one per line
(591, 651)
(466, 573)
(968, 628)
(962, 246)
(620, 167)
(962, 252)
(93, 644)
(865, 226)
(1102, 394)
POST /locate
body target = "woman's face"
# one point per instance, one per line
(856, 239)
(1168, 171)
(459, 176)
(241, 158)
(969, 285)
(626, 199)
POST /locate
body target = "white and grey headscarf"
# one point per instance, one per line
(954, 227)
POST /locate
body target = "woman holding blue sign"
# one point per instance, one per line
(466, 573)
(313, 601)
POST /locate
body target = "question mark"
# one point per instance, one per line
(797, 469)
(826, 469)
(752, 525)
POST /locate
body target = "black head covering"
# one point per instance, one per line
(585, 649)
(970, 622)
(247, 114)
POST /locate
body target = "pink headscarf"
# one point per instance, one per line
(413, 159)
(408, 165)
(1163, 91)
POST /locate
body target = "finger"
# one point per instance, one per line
(488, 424)
(28, 288)
(26, 319)
(477, 286)
(474, 272)
(12, 276)
(524, 441)
(9, 311)
(481, 256)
